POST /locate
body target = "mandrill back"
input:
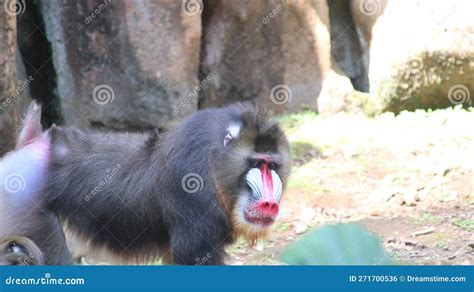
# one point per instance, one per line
(100, 184)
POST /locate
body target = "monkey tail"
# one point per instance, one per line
(31, 127)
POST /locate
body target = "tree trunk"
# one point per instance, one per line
(8, 97)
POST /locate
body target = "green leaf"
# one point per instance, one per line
(340, 244)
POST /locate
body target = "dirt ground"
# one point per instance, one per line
(407, 178)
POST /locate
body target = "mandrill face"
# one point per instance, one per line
(256, 155)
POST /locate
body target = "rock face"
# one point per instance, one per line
(138, 64)
(124, 64)
(9, 103)
(431, 80)
(426, 60)
(272, 51)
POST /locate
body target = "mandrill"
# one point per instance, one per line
(181, 195)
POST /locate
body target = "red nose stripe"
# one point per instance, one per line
(267, 181)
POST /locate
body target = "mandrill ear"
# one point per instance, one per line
(227, 139)
(233, 132)
(31, 128)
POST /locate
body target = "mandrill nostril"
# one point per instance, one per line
(268, 207)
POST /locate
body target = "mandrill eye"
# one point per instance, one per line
(257, 164)
(272, 165)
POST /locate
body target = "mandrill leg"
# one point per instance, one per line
(189, 246)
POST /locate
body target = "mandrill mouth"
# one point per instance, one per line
(258, 219)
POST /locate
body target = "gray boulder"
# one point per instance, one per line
(124, 64)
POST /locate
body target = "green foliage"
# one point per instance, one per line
(299, 149)
(282, 227)
(360, 102)
(428, 218)
(464, 224)
(295, 120)
(340, 244)
(302, 178)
